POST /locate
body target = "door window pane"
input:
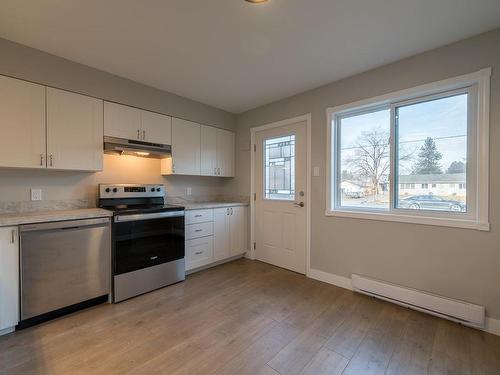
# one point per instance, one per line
(279, 168)
(364, 158)
(432, 153)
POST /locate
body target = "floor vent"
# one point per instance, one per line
(447, 308)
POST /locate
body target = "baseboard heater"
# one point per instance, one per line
(447, 308)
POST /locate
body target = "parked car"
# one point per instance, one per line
(432, 202)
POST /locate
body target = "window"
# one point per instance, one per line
(413, 156)
(279, 168)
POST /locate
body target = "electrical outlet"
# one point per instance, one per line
(36, 194)
(189, 191)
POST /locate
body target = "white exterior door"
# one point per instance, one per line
(280, 201)
(74, 131)
(22, 119)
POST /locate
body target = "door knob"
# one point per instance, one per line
(301, 204)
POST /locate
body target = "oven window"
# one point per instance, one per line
(145, 243)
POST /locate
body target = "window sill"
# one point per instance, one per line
(423, 220)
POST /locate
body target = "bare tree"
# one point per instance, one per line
(371, 157)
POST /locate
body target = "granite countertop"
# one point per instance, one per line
(206, 205)
(56, 215)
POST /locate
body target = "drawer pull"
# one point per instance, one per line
(199, 230)
(198, 215)
(153, 258)
(198, 253)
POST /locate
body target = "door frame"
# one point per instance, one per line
(307, 118)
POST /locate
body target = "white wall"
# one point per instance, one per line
(458, 263)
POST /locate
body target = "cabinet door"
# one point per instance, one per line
(121, 121)
(237, 230)
(156, 128)
(221, 234)
(74, 131)
(9, 277)
(208, 151)
(22, 119)
(185, 147)
(225, 153)
(199, 252)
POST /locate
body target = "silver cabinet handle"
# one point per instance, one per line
(198, 215)
(143, 135)
(227, 209)
(13, 236)
(198, 253)
(139, 134)
(231, 210)
(218, 171)
(173, 168)
(215, 171)
(41, 160)
(51, 160)
(199, 230)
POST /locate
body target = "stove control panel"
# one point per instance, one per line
(107, 191)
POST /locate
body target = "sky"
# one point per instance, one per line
(443, 119)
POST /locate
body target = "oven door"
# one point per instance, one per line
(145, 240)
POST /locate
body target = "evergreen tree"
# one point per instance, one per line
(428, 159)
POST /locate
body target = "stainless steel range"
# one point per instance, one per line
(147, 238)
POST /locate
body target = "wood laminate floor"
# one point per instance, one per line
(248, 317)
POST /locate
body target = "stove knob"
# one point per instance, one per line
(152, 190)
(115, 190)
(158, 190)
(107, 190)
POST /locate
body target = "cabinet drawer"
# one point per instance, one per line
(199, 216)
(199, 230)
(199, 252)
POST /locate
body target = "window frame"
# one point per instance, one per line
(477, 85)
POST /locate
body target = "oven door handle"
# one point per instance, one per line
(156, 215)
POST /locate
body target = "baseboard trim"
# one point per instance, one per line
(492, 325)
(330, 278)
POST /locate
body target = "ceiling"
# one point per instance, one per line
(235, 55)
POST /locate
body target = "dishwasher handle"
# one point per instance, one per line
(65, 225)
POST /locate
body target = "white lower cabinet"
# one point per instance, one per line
(9, 278)
(214, 235)
(199, 252)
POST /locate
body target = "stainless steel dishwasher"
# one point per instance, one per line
(65, 266)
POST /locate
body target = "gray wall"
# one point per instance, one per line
(457, 263)
(33, 65)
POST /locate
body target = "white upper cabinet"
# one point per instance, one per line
(122, 121)
(9, 278)
(22, 124)
(208, 151)
(186, 147)
(74, 131)
(156, 128)
(225, 153)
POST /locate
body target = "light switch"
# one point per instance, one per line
(36, 194)
(316, 171)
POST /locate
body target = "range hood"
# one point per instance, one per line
(120, 146)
